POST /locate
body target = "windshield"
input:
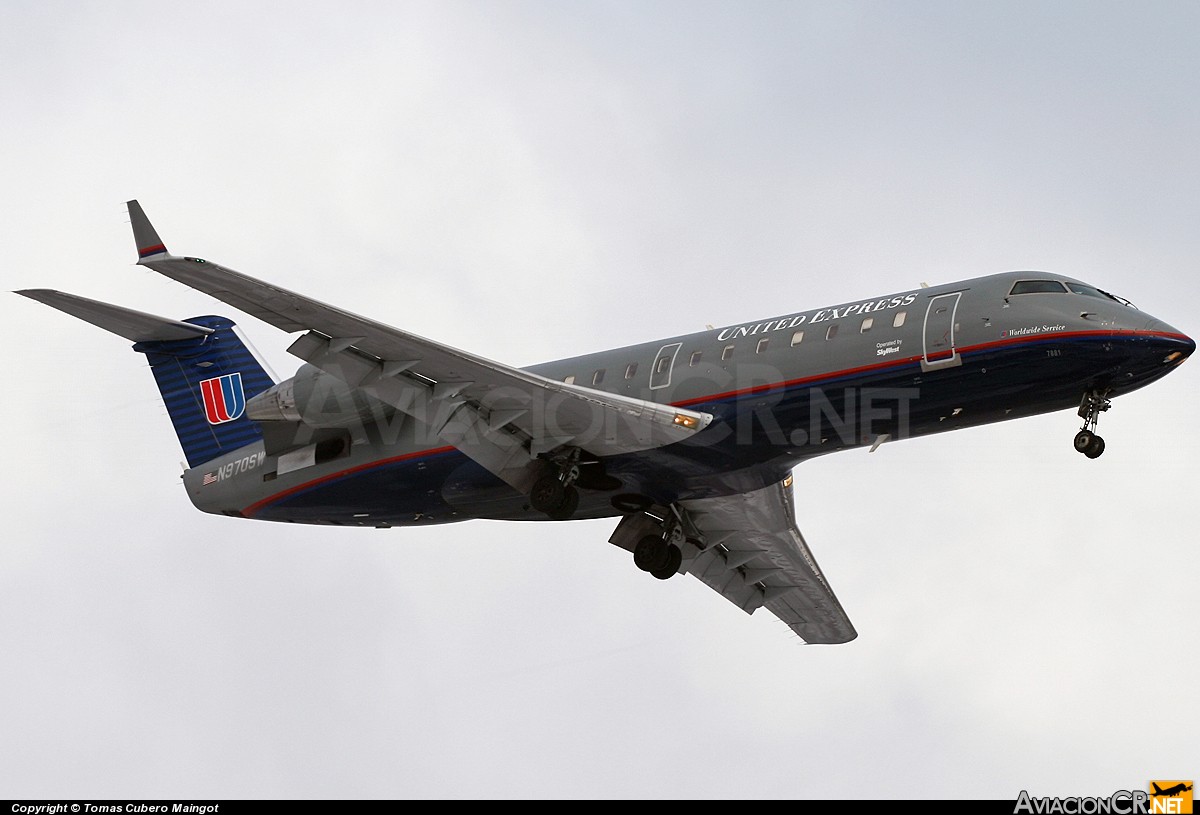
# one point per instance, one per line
(1058, 287)
(1092, 291)
(1037, 287)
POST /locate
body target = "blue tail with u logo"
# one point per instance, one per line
(205, 382)
(204, 371)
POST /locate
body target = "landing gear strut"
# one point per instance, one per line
(1090, 408)
(554, 492)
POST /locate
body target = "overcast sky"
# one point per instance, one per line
(532, 180)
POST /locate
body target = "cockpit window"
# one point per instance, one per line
(1092, 291)
(1037, 287)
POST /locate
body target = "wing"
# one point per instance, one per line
(755, 556)
(503, 417)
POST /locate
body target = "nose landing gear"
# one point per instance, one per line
(1090, 408)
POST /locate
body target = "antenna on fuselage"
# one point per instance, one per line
(924, 285)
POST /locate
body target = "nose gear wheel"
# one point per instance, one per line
(1090, 407)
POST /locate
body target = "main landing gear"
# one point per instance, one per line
(563, 474)
(554, 493)
(660, 536)
(662, 554)
(654, 554)
(1086, 440)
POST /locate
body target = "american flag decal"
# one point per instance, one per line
(224, 399)
(209, 478)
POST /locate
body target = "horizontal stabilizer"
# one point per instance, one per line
(125, 322)
(204, 371)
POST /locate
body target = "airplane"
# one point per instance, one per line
(688, 442)
(1170, 791)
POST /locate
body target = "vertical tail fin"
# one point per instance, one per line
(204, 371)
(205, 383)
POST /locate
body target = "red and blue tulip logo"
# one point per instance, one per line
(224, 399)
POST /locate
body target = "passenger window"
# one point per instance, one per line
(570, 380)
(598, 377)
(630, 370)
(726, 352)
(664, 362)
(866, 325)
(898, 320)
(695, 360)
(797, 338)
(762, 346)
(1037, 287)
(831, 332)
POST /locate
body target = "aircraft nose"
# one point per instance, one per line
(1178, 345)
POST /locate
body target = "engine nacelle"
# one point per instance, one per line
(317, 399)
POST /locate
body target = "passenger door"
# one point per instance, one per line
(939, 347)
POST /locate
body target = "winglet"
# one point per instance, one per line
(147, 240)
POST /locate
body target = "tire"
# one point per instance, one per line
(547, 494)
(651, 553)
(674, 561)
(570, 503)
(1084, 440)
(1096, 448)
